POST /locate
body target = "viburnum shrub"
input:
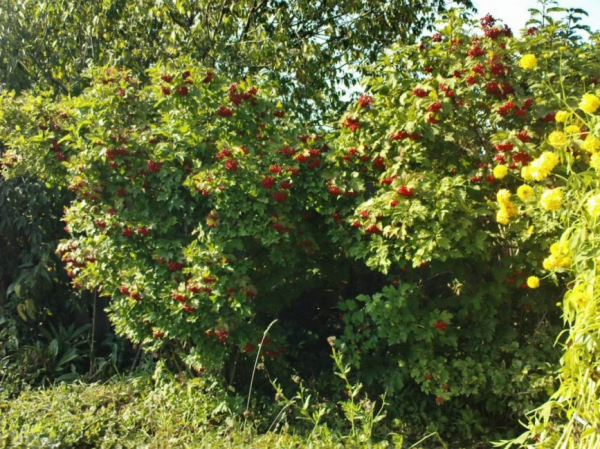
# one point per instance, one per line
(194, 205)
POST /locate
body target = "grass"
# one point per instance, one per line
(136, 412)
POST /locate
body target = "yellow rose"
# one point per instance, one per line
(552, 199)
(526, 173)
(562, 116)
(593, 205)
(557, 139)
(528, 62)
(533, 282)
(589, 103)
(500, 171)
(591, 144)
(525, 192)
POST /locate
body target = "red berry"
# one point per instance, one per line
(406, 192)
(224, 111)
(231, 165)
(178, 297)
(373, 229)
(280, 197)
(365, 100)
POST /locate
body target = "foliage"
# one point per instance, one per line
(432, 232)
(136, 412)
(303, 45)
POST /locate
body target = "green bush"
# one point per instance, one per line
(416, 232)
(137, 412)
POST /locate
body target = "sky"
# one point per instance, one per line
(515, 12)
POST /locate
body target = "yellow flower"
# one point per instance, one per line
(578, 296)
(540, 168)
(572, 129)
(562, 116)
(591, 144)
(525, 192)
(528, 62)
(559, 249)
(526, 173)
(550, 263)
(552, 199)
(595, 161)
(500, 171)
(502, 217)
(593, 205)
(589, 103)
(557, 139)
(503, 196)
(509, 209)
(559, 256)
(533, 282)
(553, 262)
